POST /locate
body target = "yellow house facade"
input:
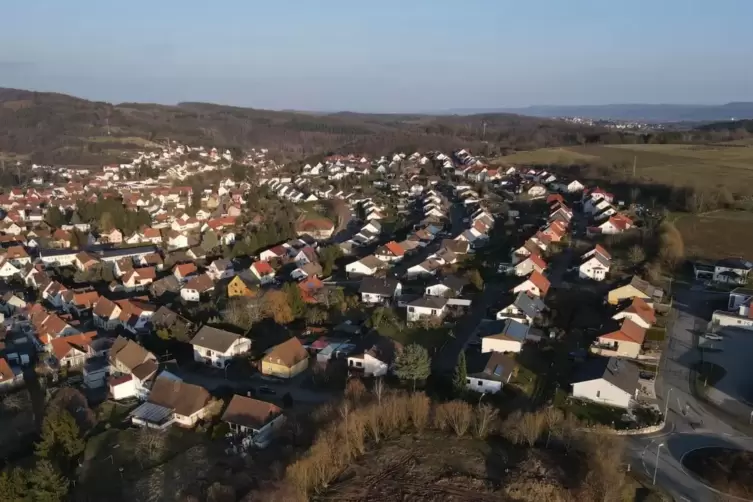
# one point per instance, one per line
(626, 292)
(286, 360)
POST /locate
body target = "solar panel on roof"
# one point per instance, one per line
(498, 370)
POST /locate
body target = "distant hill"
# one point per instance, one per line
(56, 128)
(636, 112)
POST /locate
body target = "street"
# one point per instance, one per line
(683, 433)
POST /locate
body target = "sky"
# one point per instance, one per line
(384, 56)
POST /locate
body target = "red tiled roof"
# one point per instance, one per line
(540, 282)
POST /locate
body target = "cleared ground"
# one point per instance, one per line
(728, 164)
(718, 234)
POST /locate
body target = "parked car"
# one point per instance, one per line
(713, 336)
(264, 390)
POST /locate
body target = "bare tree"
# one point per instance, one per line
(636, 255)
(378, 390)
(150, 443)
(482, 420)
(531, 425)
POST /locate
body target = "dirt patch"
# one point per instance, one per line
(716, 235)
(727, 470)
(440, 467)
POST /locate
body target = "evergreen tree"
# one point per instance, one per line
(54, 217)
(295, 300)
(460, 376)
(46, 484)
(413, 363)
(61, 438)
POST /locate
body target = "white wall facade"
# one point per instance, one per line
(482, 385)
(601, 391)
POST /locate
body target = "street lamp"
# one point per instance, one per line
(227, 365)
(656, 465)
(751, 418)
(666, 404)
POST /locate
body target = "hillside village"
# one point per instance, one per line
(196, 288)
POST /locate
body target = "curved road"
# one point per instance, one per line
(690, 424)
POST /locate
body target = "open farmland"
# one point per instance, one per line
(715, 235)
(729, 165)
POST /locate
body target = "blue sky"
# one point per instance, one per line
(387, 56)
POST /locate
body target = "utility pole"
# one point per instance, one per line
(107, 124)
(635, 161)
(483, 135)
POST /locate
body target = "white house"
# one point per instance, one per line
(488, 372)
(595, 264)
(368, 265)
(426, 307)
(263, 271)
(379, 290)
(607, 380)
(375, 358)
(507, 335)
(217, 347)
(195, 287)
(535, 285)
(252, 419)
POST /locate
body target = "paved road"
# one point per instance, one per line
(690, 424)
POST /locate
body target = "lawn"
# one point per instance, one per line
(596, 414)
(703, 165)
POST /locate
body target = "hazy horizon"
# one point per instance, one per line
(426, 56)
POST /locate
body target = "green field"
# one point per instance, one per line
(728, 164)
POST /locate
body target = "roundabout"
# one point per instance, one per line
(722, 469)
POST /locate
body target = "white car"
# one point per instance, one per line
(712, 336)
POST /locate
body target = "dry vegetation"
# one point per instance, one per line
(717, 165)
(388, 445)
(717, 234)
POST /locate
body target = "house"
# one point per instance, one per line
(196, 287)
(616, 224)
(183, 271)
(537, 191)
(535, 284)
(488, 372)
(732, 271)
(9, 377)
(72, 351)
(526, 308)
(217, 347)
(738, 297)
(273, 253)
(131, 368)
(7, 269)
(114, 236)
(166, 286)
(626, 341)
(595, 264)
(636, 287)
(426, 307)
(106, 314)
(310, 288)
(531, 263)
(374, 357)
(638, 311)
(319, 228)
(426, 268)
(243, 285)
(285, 360)
(607, 380)
(172, 401)
(307, 270)
(220, 269)
(263, 272)
(508, 335)
(84, 261)
(379, 290)
(449, 286)
(251, 418)
(390, 252)
(139, 278)
(366, 266)
(18, 256)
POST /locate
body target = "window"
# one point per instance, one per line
(358, 363)
(411, 309)
(468, 380)
(479, 383)
(598, 393)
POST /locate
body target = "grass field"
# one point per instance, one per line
(718, 234)
(729, 165)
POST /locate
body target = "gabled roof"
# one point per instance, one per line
(185, 269)
(639, 307)
(620, 373)
(184, 398)
(541, 282)
(494, 366)
(380, 286)
(629, 331)
(288, 353)
(262, 268)
(250, 412)
(429, 302)
(200, 283)
(215, 339)
(63, 345)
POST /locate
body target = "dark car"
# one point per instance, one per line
(266, 391)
